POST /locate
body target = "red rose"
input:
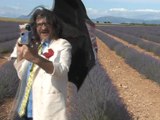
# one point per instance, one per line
(49, 53)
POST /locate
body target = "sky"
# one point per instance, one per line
(137, 9)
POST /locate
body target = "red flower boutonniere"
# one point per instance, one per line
(49, 53)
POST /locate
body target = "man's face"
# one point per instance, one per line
(44, 29)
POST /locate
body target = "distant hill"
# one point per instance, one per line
(112, 19)
(119, 20)
(23, 17)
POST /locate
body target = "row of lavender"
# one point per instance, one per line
(9, 32)
(144, 64)
(149, 46)
(151, 33)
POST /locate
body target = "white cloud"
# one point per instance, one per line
(12, 11)
(133, 1)
(122, 12)
(15, 11)
(118, 9)
(94, 13)
(148, 10)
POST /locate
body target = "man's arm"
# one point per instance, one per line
(44, 64)
(56, 68)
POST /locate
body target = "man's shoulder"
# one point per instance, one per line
(60, 43)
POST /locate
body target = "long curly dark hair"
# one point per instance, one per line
(51, 18)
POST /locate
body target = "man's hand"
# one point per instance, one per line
(30, 53)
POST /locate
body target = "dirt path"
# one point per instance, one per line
(142, 96)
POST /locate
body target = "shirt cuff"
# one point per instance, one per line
(59, 69)
(55, 65)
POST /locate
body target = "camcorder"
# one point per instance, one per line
(26, 35)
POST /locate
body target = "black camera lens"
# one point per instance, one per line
(22, 33)
(28, 27)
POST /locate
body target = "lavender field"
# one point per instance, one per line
(138, 45)
(151, 33)
(98, 99)
(100, 102)
(9, 32)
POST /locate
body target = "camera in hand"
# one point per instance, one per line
(26, 36)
